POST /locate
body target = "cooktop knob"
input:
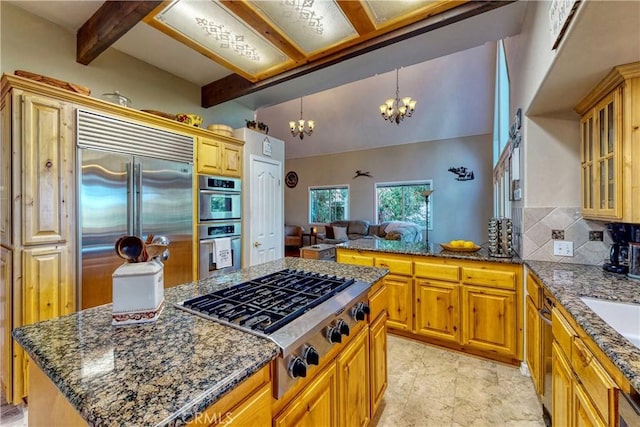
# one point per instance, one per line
(343, 327)
(334, 335)
(297, 368)
(311, 356)
(360, 311)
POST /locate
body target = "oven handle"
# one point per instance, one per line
(234, 237)
(229, 192)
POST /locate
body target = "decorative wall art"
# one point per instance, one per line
(291, 179)
(360, 173)
(463, 174)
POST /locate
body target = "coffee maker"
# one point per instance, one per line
(620, 234)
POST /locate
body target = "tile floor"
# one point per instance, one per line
(429, 386)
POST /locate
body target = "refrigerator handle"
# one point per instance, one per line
(130, 214)
(138, 199)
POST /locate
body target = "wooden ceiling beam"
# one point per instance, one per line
(356, 13)
(107, 25)
(250, 16)
(235, 86)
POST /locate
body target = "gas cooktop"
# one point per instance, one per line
(268, 303)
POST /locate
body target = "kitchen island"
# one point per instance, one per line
(161, 373)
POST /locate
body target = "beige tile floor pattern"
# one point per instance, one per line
(433, 387)
(430, 386)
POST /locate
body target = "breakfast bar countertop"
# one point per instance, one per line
(568, 282)
(420, 248)
(160, 373)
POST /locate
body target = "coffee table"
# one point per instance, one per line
(320, 251)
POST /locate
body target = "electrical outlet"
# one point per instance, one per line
(562, 248)
(595, 236)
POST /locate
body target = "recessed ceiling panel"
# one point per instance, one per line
(211, 26)
(384, 11)
(312, 25)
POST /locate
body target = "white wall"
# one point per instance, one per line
(30, 43)
(461, 209)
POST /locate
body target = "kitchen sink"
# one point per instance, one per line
(621, 316)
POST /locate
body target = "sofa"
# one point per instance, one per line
(341, 231)
(397, 230)
(293, 235)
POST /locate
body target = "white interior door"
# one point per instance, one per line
(266, 217)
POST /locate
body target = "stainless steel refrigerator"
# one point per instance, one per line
(130, 194)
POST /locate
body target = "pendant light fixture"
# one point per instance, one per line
(395, 112)
(298, 128)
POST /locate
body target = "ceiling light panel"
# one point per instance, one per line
(312, 25)
(387, 11)
(211, 26)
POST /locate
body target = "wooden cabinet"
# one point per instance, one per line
(533, 343)
(463, 304)
(378, 297)
(400, 302)
(316, 405)
(353, 382)
(610, 159)
(41, 202)
(583, 392)
(438, 310)
(219, 156)
(489, 319)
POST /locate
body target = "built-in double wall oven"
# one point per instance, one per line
(219, 225)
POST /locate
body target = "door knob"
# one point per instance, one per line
(256, 244)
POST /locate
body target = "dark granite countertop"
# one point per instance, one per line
(406, 248)
(159, 373)
(568, 282)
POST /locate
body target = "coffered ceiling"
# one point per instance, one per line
(236, 48)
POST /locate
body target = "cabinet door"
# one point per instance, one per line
(587, 163)
(316, 406)
(353, 382)
(534, 345)
(209, 159)
(608, 156)
(254, 412)
(5, 172)
(47, 167)
(489, 320)
(562, 388)
(438, 310)
(400, 302)
(6, 275)
(584, 413)
(378, 361)
(232, 160)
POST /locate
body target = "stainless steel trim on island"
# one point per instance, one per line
(163, 373)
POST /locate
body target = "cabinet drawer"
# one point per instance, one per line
(354, 258)
(534, 289)
(378, 302)
(437, 271)
(563, 333)
(486, 277)
(597, 383)
(396, 266)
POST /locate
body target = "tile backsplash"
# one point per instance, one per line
(532, 235)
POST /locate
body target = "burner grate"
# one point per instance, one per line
(267, 303)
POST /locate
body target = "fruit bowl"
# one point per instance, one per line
(189, 119)
(448, 247)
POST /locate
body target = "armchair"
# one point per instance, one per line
(293, 235)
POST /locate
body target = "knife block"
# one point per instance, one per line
(138, 292)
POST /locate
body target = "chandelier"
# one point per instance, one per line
(393, 111)
(298, 128)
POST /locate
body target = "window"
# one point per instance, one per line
(501, 105)
(327, 204)
(402, 201)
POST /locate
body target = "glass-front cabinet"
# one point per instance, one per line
(610, 159)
